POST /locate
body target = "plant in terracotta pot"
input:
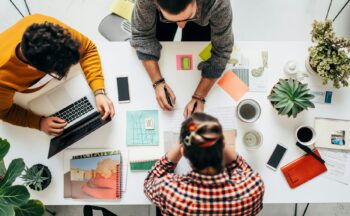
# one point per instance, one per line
(14, 199)
(38, 177)
(330, 55)
(290, 97)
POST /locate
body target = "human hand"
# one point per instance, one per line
(52, 125)
(162, 98)
(104, 106)
(192, 107)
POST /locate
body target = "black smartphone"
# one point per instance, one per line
(123, 89)
(276, 156)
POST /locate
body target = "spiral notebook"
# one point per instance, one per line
(143, 159)
(93, 174)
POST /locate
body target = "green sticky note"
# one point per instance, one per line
(205, 54)
(138, 129)
(186, 63)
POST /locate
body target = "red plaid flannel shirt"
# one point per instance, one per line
(235, 191)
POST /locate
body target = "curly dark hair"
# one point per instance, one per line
(50, 48)
(200, 157)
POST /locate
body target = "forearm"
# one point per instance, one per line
(174, 155)
(152, 69)
(230, 154)
(204, 86)
(19, 116)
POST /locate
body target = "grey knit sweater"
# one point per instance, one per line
(216, 13)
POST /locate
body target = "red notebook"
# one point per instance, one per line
(303, 169)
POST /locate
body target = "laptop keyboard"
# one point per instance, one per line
(75, 110)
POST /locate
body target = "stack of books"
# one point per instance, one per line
(94, 176)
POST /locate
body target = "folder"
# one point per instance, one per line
(303, 169)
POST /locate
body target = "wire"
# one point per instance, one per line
(307, 206)
(329, 7)
(296, 209)
(18, 10)
(341, 10)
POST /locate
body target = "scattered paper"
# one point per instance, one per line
(226, 115)
(184, 62)
(123, 8)
(338, 164)
(205, 54)
(234, 86)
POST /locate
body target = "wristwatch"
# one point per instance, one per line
(100, 91)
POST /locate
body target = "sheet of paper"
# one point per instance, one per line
(226, 115)
(123, 8)
(136, 132)
(338, 165)
(233, 85)
(184, 62)
(243, 74)
(170, 139)
(205, 54)
(145, 153)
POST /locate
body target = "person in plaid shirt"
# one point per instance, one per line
(221, 182)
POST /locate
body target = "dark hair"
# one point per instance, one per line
(174, 6)
(199, 156)
(50, 48)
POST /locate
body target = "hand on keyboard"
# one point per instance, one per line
(52, 125)
(104, 106)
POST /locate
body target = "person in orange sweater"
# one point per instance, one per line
(35, 50)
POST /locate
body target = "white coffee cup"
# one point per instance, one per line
(248, 110)
(305, 135)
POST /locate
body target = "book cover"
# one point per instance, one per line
(332, 133)
(96, 177)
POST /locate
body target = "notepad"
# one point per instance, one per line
(144, 158)
(233, 85)
(139, 131)
(184, 62)
(123, 8)
(205, 54)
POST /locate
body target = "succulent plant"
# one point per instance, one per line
(330, 56)
(290, 97)
(34, 178)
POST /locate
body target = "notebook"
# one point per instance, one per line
(143, 159)
(303, 169)
(332, 133)
(93, 174)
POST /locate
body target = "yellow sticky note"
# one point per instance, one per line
(205, 54)
(123, 8)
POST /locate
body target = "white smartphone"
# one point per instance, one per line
(123, 89)
(276, 156)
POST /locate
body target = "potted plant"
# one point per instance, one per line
(14, 199)
(290, 97)
(38, 177)
(330, 56)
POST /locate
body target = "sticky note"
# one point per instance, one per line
(205, 54)
(233, 85)
(149, 124)
(123, 8)
(184, 62)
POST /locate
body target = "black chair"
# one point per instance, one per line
(88, 211)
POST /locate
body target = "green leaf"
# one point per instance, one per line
(291, 85)
(308, 97)
(287, 108)
(31, 208)
(295, 111)
(7, 210)
(300, 104)
(14, 170)
(4, 148)
(282, 104)
(15, 195)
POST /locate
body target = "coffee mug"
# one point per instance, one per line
(252, 139)
(305, 135)
(248, 111)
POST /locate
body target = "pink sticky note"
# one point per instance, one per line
(233, 85)
(184, 62)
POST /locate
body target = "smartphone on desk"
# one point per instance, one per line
(276, 156)
(123, 89)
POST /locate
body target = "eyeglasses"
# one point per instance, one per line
(164, 20)
(55, 75)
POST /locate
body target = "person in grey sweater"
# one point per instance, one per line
(200, 20)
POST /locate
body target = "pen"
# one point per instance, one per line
(309, 151)
(194, 107)
(168, 96)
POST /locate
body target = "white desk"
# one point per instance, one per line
(120, 58)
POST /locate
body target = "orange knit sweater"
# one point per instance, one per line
(16, 76)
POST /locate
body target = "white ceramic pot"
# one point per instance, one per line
(308, 66)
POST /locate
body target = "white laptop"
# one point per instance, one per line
(72, 101)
